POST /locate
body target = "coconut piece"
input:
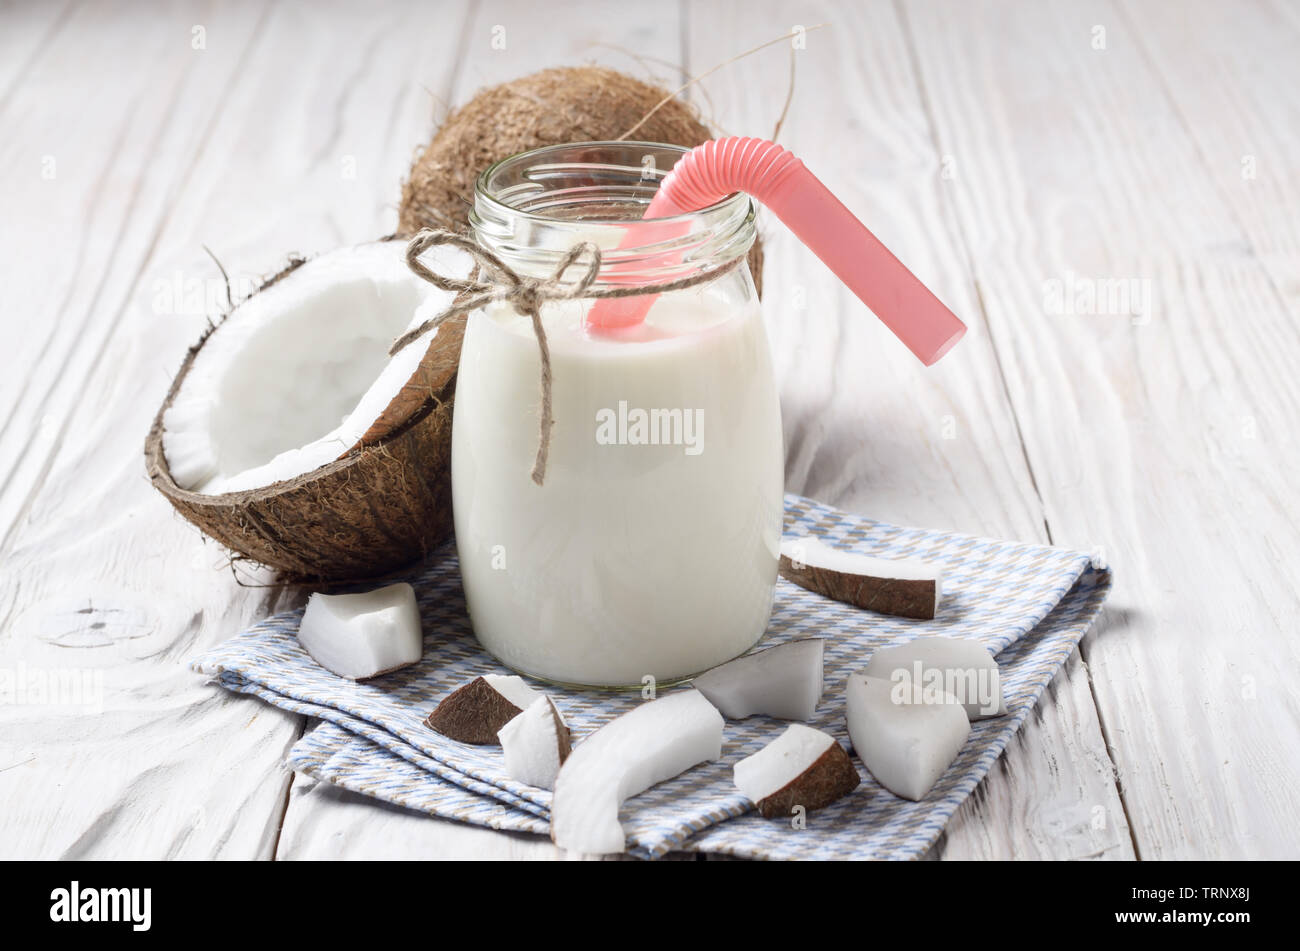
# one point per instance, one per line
(476, 712)
(957, 665)
(650, 744)
(903, 587)
(536, 743)
(551, 107)
(784, 681)
(363, 635)
(801, 767)
(905, 735)
(292, 437)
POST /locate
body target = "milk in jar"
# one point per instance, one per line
(650, 550)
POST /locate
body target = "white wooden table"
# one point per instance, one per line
(1107, 192)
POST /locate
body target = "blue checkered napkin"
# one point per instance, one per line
(882, 827)
(332, 754)
(1030, 603)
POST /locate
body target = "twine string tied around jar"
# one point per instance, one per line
(493, 280)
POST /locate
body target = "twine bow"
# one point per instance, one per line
(493, 280)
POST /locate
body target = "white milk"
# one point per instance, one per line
(633, 559)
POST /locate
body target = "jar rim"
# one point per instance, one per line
(482, 187)
(531, 208)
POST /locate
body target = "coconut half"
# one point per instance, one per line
(291, 436)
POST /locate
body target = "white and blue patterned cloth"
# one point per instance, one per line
(1030, 604)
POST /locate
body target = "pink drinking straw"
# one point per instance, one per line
(767, 172)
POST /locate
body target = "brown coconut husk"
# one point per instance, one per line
(381, 506)
(474, 713)
(563, 735)
(551, 107)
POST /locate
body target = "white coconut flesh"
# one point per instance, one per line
(907, 739)
(957, 665)
(650, 744)
(364, 634)
(781, 762)
(535, 744)
(783, 682)
(299, 372)
(514, 688)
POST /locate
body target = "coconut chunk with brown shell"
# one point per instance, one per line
(476, 712)
(901, 587)
(802, 767)
(536, 743)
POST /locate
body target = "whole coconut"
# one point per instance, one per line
(552, 107)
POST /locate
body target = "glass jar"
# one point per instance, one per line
(650, 550)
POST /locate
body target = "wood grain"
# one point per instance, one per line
(1163, 433)
(267, 147)
(143, 760)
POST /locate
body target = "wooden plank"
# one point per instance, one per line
(109, 747)
(1228, 74)
(86, 210)
(101, 580)
(867, 427)
(30, 28)
(511, 38)
(1159, 426)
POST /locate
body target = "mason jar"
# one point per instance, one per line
(650, 548)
